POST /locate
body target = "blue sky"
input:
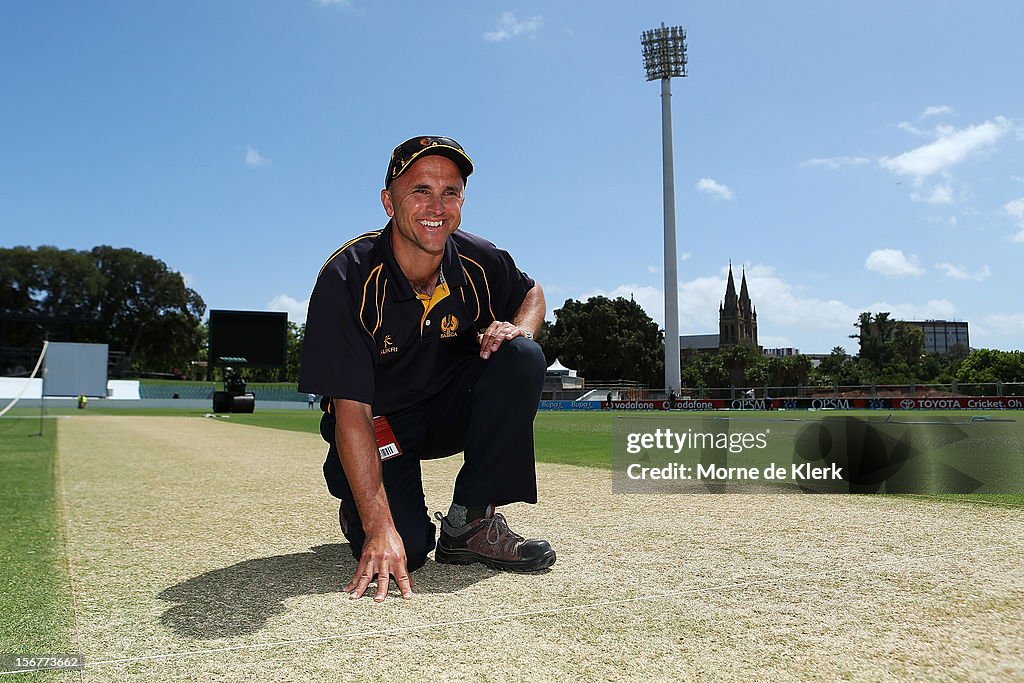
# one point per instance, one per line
(851, 156)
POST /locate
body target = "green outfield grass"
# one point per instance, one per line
(35, 592)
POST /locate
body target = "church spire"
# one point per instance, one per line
(730, 303)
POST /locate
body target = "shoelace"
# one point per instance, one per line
(497, 524)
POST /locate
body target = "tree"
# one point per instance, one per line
(146, 309)
(607, 339)
(837, 368)
(736, 360)
(124, 298)
(703, 370)
(800, 367)
(296, 334)
(907, 344)
(989, 365)
(875, 334)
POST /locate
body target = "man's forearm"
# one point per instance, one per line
(357, 448)
(531, 312)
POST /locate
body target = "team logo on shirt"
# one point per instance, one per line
(449, 326)
(389, 346)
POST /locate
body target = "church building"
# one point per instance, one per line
(737, 321)
(737, 317)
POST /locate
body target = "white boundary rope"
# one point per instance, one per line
(532, 613)
(31, 377)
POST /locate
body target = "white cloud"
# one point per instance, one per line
(1016, 209)
(958, 272)
(253, 158)
(686, 256)
(778, 305)
(912, 129)
(1009, 324)
(951, 147)
(296, 309)
(781, 308)
(715, 189)
(935, 309)
(510, 27)
(649, 298)
(774, 342)
(833, 163)
(892, 263)
(938, 110)
(653, 270)
(782, 311)
(940, 194)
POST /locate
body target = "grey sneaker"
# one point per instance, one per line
(488, 540)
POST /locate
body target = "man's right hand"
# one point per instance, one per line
(383, 550)
(383, 556)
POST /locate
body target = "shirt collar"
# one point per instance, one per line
(451, 265)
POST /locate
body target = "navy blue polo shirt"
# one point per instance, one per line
(371, 338)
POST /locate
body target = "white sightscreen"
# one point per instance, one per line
(72, 369)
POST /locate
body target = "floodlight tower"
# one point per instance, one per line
(665, 58)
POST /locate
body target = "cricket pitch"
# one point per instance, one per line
(205, 550)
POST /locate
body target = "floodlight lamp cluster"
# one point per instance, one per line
(664, 52)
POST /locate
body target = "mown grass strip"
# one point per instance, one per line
(35, 592)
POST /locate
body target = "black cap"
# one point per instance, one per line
(424, 145)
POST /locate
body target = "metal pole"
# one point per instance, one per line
(672, 370)
(42, 390)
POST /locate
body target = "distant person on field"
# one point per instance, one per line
(311, 399)
(83, 401)
(421, 335)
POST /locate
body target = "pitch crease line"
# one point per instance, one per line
(531, 613)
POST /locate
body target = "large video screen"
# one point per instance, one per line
(258, 337)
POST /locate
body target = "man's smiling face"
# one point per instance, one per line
(426, 205)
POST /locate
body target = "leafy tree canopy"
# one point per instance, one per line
(607, 339)
(991, 365)
(129, 300)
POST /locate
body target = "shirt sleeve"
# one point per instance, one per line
(337, 355)
(514, 286)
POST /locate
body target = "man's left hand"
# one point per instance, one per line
(496, 333)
